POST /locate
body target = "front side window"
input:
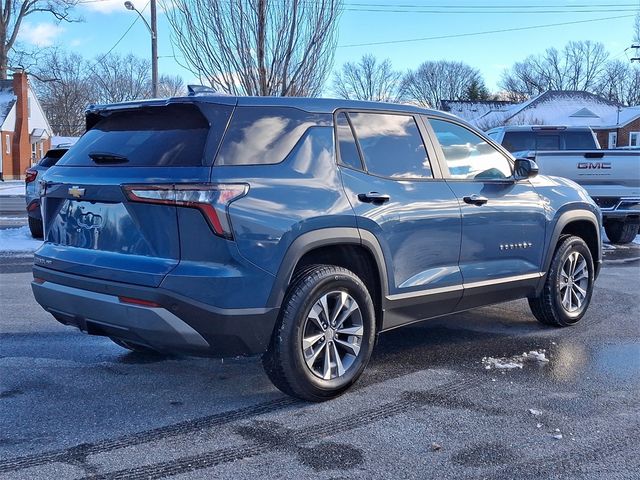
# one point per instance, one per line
(469, 156)
(391, 145)
(634, 139)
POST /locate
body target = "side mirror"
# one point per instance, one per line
(525, 168)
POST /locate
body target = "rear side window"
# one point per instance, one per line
(174, 135)
(52, 157)
(265, 135)
(391, 145)
(349, 155)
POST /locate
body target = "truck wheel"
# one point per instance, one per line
(621, 232)
(35, 226)
(324, 336)
(569, 285)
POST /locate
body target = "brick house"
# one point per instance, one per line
(622, 129)
(24, 129)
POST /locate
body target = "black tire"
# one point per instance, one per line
(35, 225)
(134, 347)
(284, 362)
(548, 307)
(621, 232)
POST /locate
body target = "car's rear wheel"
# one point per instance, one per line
(35, 226)
(568, 288)
(324, 336)
(621, 232)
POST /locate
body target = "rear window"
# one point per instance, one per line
(52, 157)
(553, 140)
(174, 135)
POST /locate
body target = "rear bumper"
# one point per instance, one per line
(176, 325)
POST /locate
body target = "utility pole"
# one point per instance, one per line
(154, 50)
(153, 30)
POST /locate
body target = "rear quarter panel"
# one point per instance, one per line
(301, 194)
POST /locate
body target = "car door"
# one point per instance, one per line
(400, 198)
(503, 220)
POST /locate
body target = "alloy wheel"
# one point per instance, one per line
(332, 335)
(574, 282)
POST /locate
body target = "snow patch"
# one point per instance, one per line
(516, 361)
(637, 240)
(17, 240)
(12, 188)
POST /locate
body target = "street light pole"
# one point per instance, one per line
(154, 50)
(153, 30)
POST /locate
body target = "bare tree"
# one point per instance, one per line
(620, 82)
(61, 82)
(12, 14)
(171, 86)
(368, 79)
(578, 66)
(118, 78)
(257, 47)
(435, 81)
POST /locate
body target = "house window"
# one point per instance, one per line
(634, 139)
(33, 151)
(613, 140)
(7, 144)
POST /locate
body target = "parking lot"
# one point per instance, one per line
(432, 403)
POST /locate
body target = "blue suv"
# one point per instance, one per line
(300, 229)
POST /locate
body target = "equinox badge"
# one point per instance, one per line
(76, 192)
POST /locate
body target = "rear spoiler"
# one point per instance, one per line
(94, 113)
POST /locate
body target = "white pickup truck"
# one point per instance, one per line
(612, 177)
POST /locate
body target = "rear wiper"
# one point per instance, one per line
(105, 157)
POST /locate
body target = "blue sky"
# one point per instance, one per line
(106, 20)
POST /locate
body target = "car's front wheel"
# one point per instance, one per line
(325, 334)
(35, 226)
(567, 291)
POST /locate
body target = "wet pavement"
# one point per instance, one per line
(73, 406)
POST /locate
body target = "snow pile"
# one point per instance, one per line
(17, 240)
(12, 188)
(637, 240)
(516, 361)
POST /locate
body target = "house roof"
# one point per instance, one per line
(621, 117)
(554, 107)
(470, 109)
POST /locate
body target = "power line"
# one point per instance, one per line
(491, 12)
(487, 32)
(123, 35)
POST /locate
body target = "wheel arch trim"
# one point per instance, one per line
(326, 237)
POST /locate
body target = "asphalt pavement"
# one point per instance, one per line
(74, 406)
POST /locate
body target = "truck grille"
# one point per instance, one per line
(606, 202)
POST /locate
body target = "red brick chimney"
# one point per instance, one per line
(21, 150)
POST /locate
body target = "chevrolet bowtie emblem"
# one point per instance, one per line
(76, 192)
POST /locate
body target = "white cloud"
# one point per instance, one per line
(107, 6)
(40, 34)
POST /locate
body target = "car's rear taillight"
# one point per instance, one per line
(30, 175)
(211, 199)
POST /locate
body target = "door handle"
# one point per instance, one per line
(373, 197)
(475, 199)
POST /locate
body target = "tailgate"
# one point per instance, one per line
(603, 173)
(92, 227)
